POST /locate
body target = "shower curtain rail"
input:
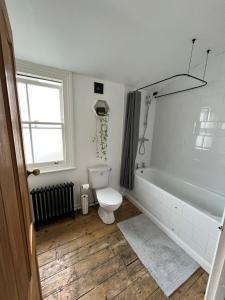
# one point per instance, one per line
(202, 82)
(157, 95)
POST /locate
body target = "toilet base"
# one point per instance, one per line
(106, 216)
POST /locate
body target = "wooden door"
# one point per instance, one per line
(19, 278)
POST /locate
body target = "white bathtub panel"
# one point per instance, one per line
(185, 231)
(177, 207)
(175, 202)
(156, 194)
(165, 216)
(188, 192)
(166, 199)
(212, 229)
(191, 215)
(154, 203)
(196, 234)
(200, 238)
(195, 229)
(199, 249)
(154, 208)
(210, 248)
(180, 241)
(175, 221)
(199, 219)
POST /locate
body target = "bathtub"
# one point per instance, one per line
(189, 214)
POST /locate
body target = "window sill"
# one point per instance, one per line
(54, 170)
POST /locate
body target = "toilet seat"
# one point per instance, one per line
(108, 196)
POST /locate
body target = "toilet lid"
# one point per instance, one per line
(108, 196)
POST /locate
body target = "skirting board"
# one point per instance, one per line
(203, 263)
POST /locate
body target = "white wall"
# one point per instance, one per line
(85, 126)
(182, 121)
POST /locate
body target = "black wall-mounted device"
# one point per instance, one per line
(98, 88)
(101, 111)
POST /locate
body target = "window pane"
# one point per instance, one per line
(22, 94)
(44, 103)
(47, 143)
(27, 144)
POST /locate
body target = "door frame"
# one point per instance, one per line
(214, 290)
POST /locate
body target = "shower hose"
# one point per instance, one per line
(142, 140)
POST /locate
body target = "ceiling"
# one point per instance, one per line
(127, 41)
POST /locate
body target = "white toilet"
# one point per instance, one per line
(109, 199)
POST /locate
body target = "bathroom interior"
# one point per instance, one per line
(122, 107)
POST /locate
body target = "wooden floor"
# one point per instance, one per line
(86, 259)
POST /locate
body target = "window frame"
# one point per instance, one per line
(65, 77)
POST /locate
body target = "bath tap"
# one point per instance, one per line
(143, 165)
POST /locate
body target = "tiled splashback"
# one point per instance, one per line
(189, 131)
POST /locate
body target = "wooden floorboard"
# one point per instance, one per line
(83, 258)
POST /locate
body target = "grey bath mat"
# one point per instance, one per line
(168, 264)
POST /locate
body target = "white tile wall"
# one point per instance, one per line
(189, 131)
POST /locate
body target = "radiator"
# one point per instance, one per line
(52, 202)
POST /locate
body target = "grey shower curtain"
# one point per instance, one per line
(130, 141)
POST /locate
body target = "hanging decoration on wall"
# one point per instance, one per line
(102, 137)
(101, 110)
